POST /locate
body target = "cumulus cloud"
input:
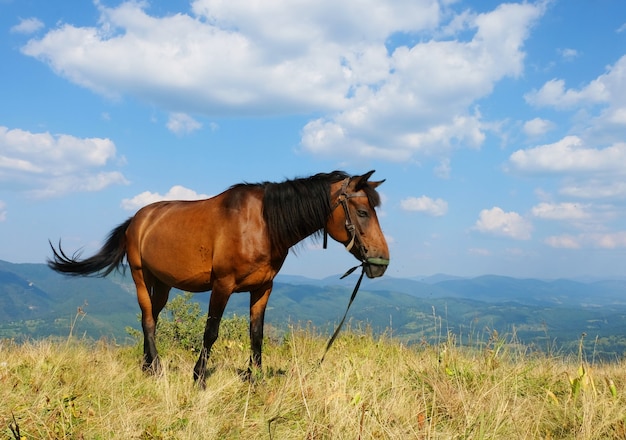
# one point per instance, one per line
(607, 91)
(537, 127)
(27, 26)
(177, 192)
(434, 207)
(590, 163)
(425, 105)
(599, 105)
(48, 165)
(495, 221)
(181, 123)
(585, 172)
(570, 155)
(379, 95)
(554, 94)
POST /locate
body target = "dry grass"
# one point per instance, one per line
(368, 388)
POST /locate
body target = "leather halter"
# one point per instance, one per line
(342, 199)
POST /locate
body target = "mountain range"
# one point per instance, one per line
(545, 314)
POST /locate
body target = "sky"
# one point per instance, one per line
(500, 128)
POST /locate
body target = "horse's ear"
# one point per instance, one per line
(375, 185)
(362, 181)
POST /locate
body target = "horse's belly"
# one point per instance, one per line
(183, 278)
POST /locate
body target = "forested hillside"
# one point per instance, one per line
(546, 315)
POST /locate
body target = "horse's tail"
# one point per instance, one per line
(108, 258)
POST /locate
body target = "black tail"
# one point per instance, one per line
(109, 258)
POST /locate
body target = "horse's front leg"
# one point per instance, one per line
(217, 304)
(258, 303)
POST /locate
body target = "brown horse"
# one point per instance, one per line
(236, 241)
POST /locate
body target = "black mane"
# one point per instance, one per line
(295, 209)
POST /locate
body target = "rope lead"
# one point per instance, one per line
(354, 292)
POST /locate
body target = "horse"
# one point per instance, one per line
(236, 241)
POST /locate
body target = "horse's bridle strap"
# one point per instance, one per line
(351, 227)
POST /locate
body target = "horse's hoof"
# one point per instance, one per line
(199, 377)
(153, 368)
(200, 383)
(251, 374)
(199, 380)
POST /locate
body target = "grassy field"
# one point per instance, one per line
(368, 388)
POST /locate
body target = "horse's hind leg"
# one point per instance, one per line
(217, 304)
(152, 296)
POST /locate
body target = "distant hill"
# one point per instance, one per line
(37, 302)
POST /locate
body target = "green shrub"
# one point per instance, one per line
(182, 321)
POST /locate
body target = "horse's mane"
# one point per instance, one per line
(295, 209)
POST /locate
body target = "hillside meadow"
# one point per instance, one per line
(369, 387)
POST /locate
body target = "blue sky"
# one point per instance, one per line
(500, 127)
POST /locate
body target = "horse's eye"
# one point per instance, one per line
(362, 213)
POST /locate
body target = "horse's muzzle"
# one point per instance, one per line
(375, 267)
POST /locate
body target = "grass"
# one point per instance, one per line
(368, 388)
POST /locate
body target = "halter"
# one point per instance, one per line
(342, 199)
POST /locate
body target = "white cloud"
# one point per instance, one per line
(380, 96)
(3, 211)
(181, 123)
(434, 207)
(610, 240)
(27, 26)
(177, 192)
(590, 163)
(607, 240)
(596, 188)
(554, 94)
(560, 211)
(80, 182)
(608, 88)
(585, 172)
(563, 242)
(48, 165)
(495, 221)
(537, 127)
(570, 155)
(425, 105)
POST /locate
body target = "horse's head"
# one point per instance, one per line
(353, 222)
